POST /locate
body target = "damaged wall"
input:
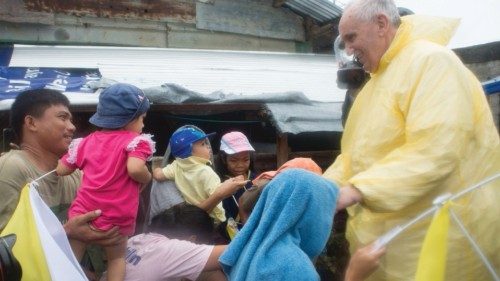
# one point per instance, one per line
(231, 25)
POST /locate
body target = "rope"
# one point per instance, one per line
(438, 202)
(44, 175)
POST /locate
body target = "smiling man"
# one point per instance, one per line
(421, 127)
(42, 123)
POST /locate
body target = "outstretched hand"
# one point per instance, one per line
(231, 185)
(226, 189)
(79, 229)
(363, 263)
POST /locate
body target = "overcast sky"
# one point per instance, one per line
(480, 19)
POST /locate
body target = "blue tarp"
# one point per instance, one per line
(14, 80)
(492, 86)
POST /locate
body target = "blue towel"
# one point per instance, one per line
(287, 229)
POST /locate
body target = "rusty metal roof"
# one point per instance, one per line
(320, 10)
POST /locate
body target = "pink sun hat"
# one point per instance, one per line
(235, 142)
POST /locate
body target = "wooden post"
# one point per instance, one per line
(281, 149)
(278, 3)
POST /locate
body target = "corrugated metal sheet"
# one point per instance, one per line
(320, 10)
(203, 71)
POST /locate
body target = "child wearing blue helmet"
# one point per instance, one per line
(193, 177)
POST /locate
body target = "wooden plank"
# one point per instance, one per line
(206, 109)
(83, 31)
(257, 18)
(278, 3)
(15, 11)
(194, 108)
(164, 10)
(282, 149)
(182, 36)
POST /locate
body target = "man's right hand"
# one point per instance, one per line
(363, 263)
(78, 228)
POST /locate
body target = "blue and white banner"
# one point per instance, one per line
(492, 86)
(14, 80)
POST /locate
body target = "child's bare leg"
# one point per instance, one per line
(116, 261)
(78, 248)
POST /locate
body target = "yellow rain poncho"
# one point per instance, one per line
(419, 128)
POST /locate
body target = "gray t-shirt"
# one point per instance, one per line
(16, 170)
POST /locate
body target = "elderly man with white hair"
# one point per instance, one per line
(419, 128)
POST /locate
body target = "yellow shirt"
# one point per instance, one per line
(196, 181)
(421, 127)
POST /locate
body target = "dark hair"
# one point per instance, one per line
(34, 103)
(220, 164)
(184, 220)
(10, 269)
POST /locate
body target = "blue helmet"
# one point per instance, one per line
(181, 142)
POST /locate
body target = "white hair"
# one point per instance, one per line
(367, 10)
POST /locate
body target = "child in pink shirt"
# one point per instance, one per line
(113, 161)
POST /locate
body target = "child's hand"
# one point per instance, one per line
(238, 181)
(363, 263)
(231, 185)
(63, 170)
(158, 175)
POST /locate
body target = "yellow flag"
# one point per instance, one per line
(432, 260)
(27, 250)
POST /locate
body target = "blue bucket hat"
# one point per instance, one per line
(181, 142)
(118, 105)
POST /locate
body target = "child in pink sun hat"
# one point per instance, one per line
(235, 159)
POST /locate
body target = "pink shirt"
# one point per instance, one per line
(154, 257)
(106, 185)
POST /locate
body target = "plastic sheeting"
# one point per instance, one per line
(299, 118)
(291, 112)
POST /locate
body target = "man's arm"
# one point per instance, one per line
(12, 180)
(437, 119)
(213, 259)
(78, 228)
(348, 196)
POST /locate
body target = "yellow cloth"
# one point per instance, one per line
(419, 128)
(196, 181)
(432, 260)
(27, 248)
